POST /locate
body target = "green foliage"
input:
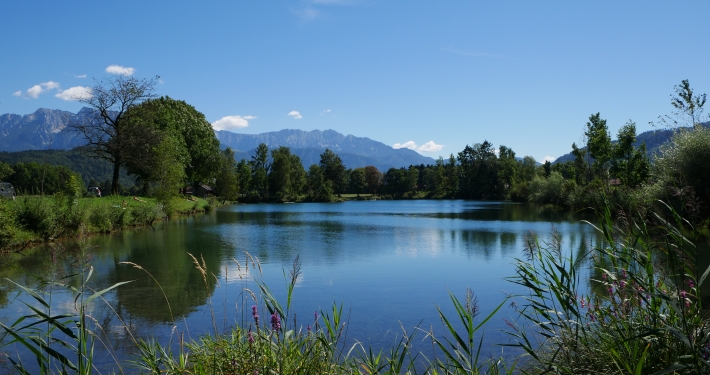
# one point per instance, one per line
(226, 182)
(334, 171)
(5, 171)
(642, 314)
(286, 176)
(357, 182)
(36, 178)
(8, 226)
(549, 190)
(630, 165)
(195, 146)
(319, 189)
(681, 171)
(599, 145)
(260, 167)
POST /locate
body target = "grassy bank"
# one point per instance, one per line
(35, 219)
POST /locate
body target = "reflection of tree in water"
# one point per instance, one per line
(165, 256)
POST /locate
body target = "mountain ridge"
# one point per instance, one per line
(43, 130)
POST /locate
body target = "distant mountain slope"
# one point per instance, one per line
(654, 140)
(308, 145)
(38, 131)
(42, 130)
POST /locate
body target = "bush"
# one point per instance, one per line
(104, 218)
(146, 214)
(681, 171)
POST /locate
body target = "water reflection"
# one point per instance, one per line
(388, 262)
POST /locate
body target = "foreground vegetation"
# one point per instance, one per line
(638, 311)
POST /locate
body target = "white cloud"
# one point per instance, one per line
(80, 76)
(306, 14)
(430, 147)
(34, 91)
(325, 111)
(17, 93)
(117, 69)
(232, 122)
(410, 145)
(295, 114)
(550, 158)
(75, 93)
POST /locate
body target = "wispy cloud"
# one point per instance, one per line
(469, 53)
(410, 145)
(232, 122)
(120, 70)
(36, 90)
(307, 13)
(17, 93)
(325, 111)
(548, 158)
(430, 147)
(295, 114)
(75, 93)
(80, 76)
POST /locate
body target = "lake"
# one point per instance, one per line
(390, 264)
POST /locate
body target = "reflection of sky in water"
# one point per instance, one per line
(387, 262)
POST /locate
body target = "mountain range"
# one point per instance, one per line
(42, 130)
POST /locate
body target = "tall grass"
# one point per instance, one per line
(60, 343)
(641, 314)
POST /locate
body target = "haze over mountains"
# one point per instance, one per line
(42, 130)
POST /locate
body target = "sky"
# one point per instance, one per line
(430, 76)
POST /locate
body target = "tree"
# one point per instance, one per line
(198, 147)
(334, 170)
(580, 165)
(319, 189)
(226, 185)
(688, 106)
(260, 171)
(5, 170)
(287, 176)
(373, 178)
(629, 164)
(168, 171)
(358, 182)
(104, 126)
(243, 177)
(599, 145)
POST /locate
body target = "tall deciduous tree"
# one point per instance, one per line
(226, 185)
(599, 145)
(373, 177)
(260, 171)
(105, 127)
(630, 164)
(198, 147)
(334, 170)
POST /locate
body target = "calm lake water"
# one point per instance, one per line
(387, 262)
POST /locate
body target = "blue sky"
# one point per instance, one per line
(438, 75)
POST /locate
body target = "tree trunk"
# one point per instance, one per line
(114, 181)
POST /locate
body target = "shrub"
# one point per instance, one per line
(681, 171)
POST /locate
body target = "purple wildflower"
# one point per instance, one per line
(255, 314)
(623, 283)
(275, 321)
(251, 337)
(315, 314)
(691, 284)
(308, 328)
